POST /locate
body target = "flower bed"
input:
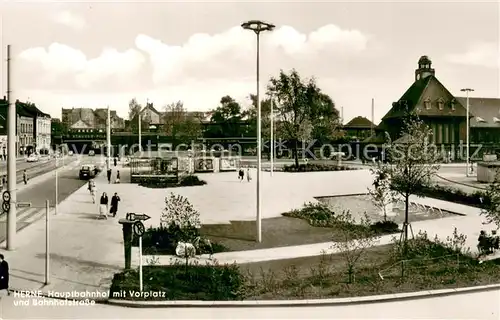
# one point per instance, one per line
(168, 182)
(313, 167)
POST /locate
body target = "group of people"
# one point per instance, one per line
(241, 175)
(3, 182)
(105, 205)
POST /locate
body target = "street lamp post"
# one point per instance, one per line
(258, 27)
(467, 125)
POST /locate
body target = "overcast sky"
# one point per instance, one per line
(92, 54)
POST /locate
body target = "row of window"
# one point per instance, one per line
(440, 103)
(444, 133)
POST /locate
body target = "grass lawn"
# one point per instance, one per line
(276, 232)
(315, 277)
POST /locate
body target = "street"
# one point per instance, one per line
(478, 305)
(37, 194)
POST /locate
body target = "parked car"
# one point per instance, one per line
(32, 158)
(91, 153)
(87, 171)
(70, 153)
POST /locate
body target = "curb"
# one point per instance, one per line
(302, 303)
(460, 183)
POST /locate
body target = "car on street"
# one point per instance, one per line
(32, 158)
(70, 153)
(87, 171)
(91, 153)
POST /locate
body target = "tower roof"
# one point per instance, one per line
(424, 60)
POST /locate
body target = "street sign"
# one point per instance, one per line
(139, 228)
(6, 196)
(23, 204)
(137, 217)
(5, 206)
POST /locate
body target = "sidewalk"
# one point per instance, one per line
(85, 252)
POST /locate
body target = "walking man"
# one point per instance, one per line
(109, 175)
(4, 277)
(117, 176)
(114, 204)
(115, 161)
(241, 174)
(92, 190)
(248, 175)
(25, 177)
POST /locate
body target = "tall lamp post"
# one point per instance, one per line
(258, 27)
(467, 125)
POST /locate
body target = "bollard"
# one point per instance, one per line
(127, 241)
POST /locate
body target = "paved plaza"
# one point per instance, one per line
(85, 252)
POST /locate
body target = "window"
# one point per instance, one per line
(446, 134)
(427, 103)
(440, 103)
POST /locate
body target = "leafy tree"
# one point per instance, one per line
(302, 110)
(226, 120)
(413, 162)
(357, 237)
(491, 201)
(179, 123)
(250, 116)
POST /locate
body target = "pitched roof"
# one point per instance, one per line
(359, 122)
(485, 112)
(150, 107)
(411, 96)
(413, 100)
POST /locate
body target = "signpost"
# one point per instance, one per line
(133, 223)
(23, 204)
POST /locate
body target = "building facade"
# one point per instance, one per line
(444, 113)
(43, 134)
(358, 129)
(79, 118)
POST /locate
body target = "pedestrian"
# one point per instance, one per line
(92, 190)
(117, 176)
(103, 205)
(109, 175)
(4, 276)
(114, 204)
(115, 161)
(4, 181)
(25, 177)
(241, 174)
(248, 175)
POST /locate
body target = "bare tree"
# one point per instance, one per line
(413, 163)
(179, 123)
(357, 237)
(381, 194)
(134, 108)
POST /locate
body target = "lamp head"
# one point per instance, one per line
(257, 26)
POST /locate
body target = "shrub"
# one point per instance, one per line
(477, 198)
(191, 180)
(317, 214)
(385, 226)
(180, 222)
(194, 282)
(170, 182)
(312, 167)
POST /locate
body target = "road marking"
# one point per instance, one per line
(37, 215)
(21, 214)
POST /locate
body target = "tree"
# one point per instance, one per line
(226, 120)
(491, 201)
(413, 162)
(179, 123)
(302, 109)
(250, 116)
(381, 194)
(357, 237)
(134, 108)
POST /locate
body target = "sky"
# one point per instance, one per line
(98, 54)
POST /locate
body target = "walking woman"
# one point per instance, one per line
(103, 205)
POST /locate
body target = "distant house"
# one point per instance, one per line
(95, 119)
(359, 128)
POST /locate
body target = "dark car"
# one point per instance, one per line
(87, 172)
